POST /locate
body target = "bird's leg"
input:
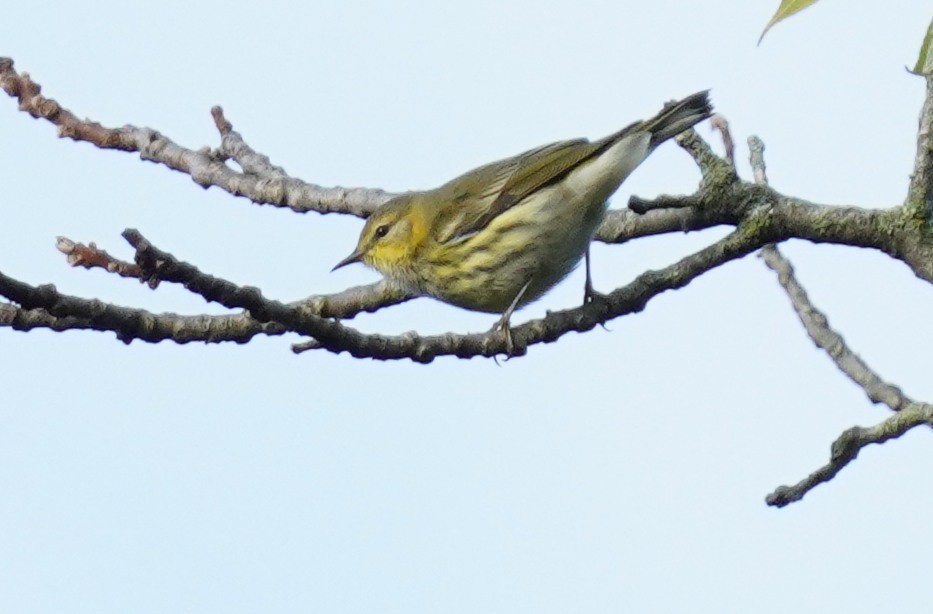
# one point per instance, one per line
(589, 294)
(502, 324)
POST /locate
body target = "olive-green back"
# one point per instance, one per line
(486, 192)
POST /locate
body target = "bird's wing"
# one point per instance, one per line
(487, 192)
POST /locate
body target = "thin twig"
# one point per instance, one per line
(712, 167)
(756, 148)
(233, 146)
(850, 443)
(720, 123)
(90, 257)
(343, 305)
(847, 447)
(827, 339)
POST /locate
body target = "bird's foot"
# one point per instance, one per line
(503, 327)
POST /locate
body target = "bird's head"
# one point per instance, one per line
(391, 237)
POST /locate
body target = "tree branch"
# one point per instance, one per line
(92, 257)
(813, 320)
(720, 123)
(346, 304)
(128, 323)
(335, 337)
(827, 339)
(919, 203)
(206, 168)
(58, 312)
(45, 307)
(847, 447)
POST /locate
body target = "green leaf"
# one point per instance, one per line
(925, 60)
(787, 8)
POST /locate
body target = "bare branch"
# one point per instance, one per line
(720, 123)
(335, 337)
(813, 320)
(724, 199)
(730, 202)
(619, 226)
(919, 203)
(713, 168)
(349, 303)
(642, 206)
(827, 339)
(342, 305)
(205, 168)
(847, 447)
(130, 323)
(756, 149)
(91, 257)
(233, 146)
(45, 307)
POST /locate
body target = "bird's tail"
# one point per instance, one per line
(676, 117)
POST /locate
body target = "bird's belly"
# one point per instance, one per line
(538, 243)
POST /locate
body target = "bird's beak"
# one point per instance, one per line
(356, 256)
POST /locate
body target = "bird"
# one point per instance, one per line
(500, 236)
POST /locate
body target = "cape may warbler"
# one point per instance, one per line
(500, 236)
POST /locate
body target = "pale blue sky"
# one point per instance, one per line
(612, 471)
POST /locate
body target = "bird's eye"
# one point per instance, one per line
(382, 231)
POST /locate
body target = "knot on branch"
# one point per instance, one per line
(847, 445)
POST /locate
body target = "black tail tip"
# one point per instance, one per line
(698, 102)
(679, 115)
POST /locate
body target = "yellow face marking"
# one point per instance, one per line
(392, 236)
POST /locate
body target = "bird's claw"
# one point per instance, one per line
(502, 326)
